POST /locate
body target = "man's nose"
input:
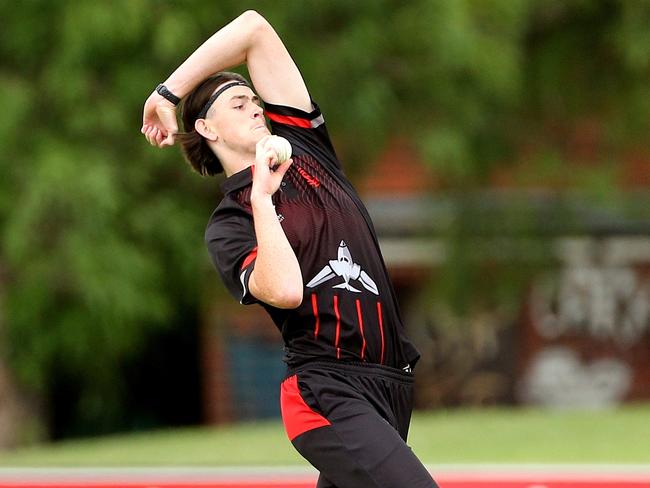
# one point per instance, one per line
(257, 112)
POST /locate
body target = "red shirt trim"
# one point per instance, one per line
(381, 331)
(314, 306)
(363, 337)
(288, 120)
(250, 258)
(338, 326)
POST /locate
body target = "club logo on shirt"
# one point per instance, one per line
(311, 180)
(345, 268)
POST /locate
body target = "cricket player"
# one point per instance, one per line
(292, 235)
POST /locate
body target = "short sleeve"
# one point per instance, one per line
(306, 131)
(231, 242)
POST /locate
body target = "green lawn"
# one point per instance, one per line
(455, 436)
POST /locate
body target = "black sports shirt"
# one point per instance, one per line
(349, 311)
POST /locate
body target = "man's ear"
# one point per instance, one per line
(206, 129)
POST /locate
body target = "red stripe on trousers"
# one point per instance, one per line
(286, 119)
(338, 326)
(297, 417)
(363, 337)
(314, 306)
(381, 331)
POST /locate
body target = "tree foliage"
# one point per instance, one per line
(101, 235)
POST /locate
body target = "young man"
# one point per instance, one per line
(296, 239)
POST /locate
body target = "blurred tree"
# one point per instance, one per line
(101, 235)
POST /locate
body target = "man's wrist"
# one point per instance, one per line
(164, 92)
(261, 200)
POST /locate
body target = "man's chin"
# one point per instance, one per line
(260, 134)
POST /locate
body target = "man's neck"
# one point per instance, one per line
(233, 162)
(231, 169)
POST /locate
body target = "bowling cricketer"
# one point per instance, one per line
(293, 236)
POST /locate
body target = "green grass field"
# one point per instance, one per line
(455, 436)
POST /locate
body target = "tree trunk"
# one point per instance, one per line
(21, 421)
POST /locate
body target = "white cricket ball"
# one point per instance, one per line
(281, 146)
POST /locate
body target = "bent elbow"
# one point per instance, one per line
(254, 20)
(288, 299)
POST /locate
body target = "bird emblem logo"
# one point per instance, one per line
(345, 268)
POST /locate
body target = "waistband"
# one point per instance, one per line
(354, 368)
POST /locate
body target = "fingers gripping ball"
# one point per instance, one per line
(281, 146)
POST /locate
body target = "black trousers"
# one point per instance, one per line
(350, 421)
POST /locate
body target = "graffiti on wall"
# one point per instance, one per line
(584, 321)
(558, 378)
(605, 303)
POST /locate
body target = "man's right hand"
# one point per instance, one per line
(267, 175)
(159, 124)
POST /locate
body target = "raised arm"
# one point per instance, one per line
(276, 278)
(247, 39)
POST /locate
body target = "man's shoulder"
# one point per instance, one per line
(229, 212)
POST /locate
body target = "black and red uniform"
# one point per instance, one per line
(347, 398)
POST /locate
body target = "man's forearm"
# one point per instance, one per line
(276, 278)
(225, 49)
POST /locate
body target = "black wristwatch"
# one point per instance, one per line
(165, 93)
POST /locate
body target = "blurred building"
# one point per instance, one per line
(579, 338)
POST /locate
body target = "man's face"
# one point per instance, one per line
(238, 118)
